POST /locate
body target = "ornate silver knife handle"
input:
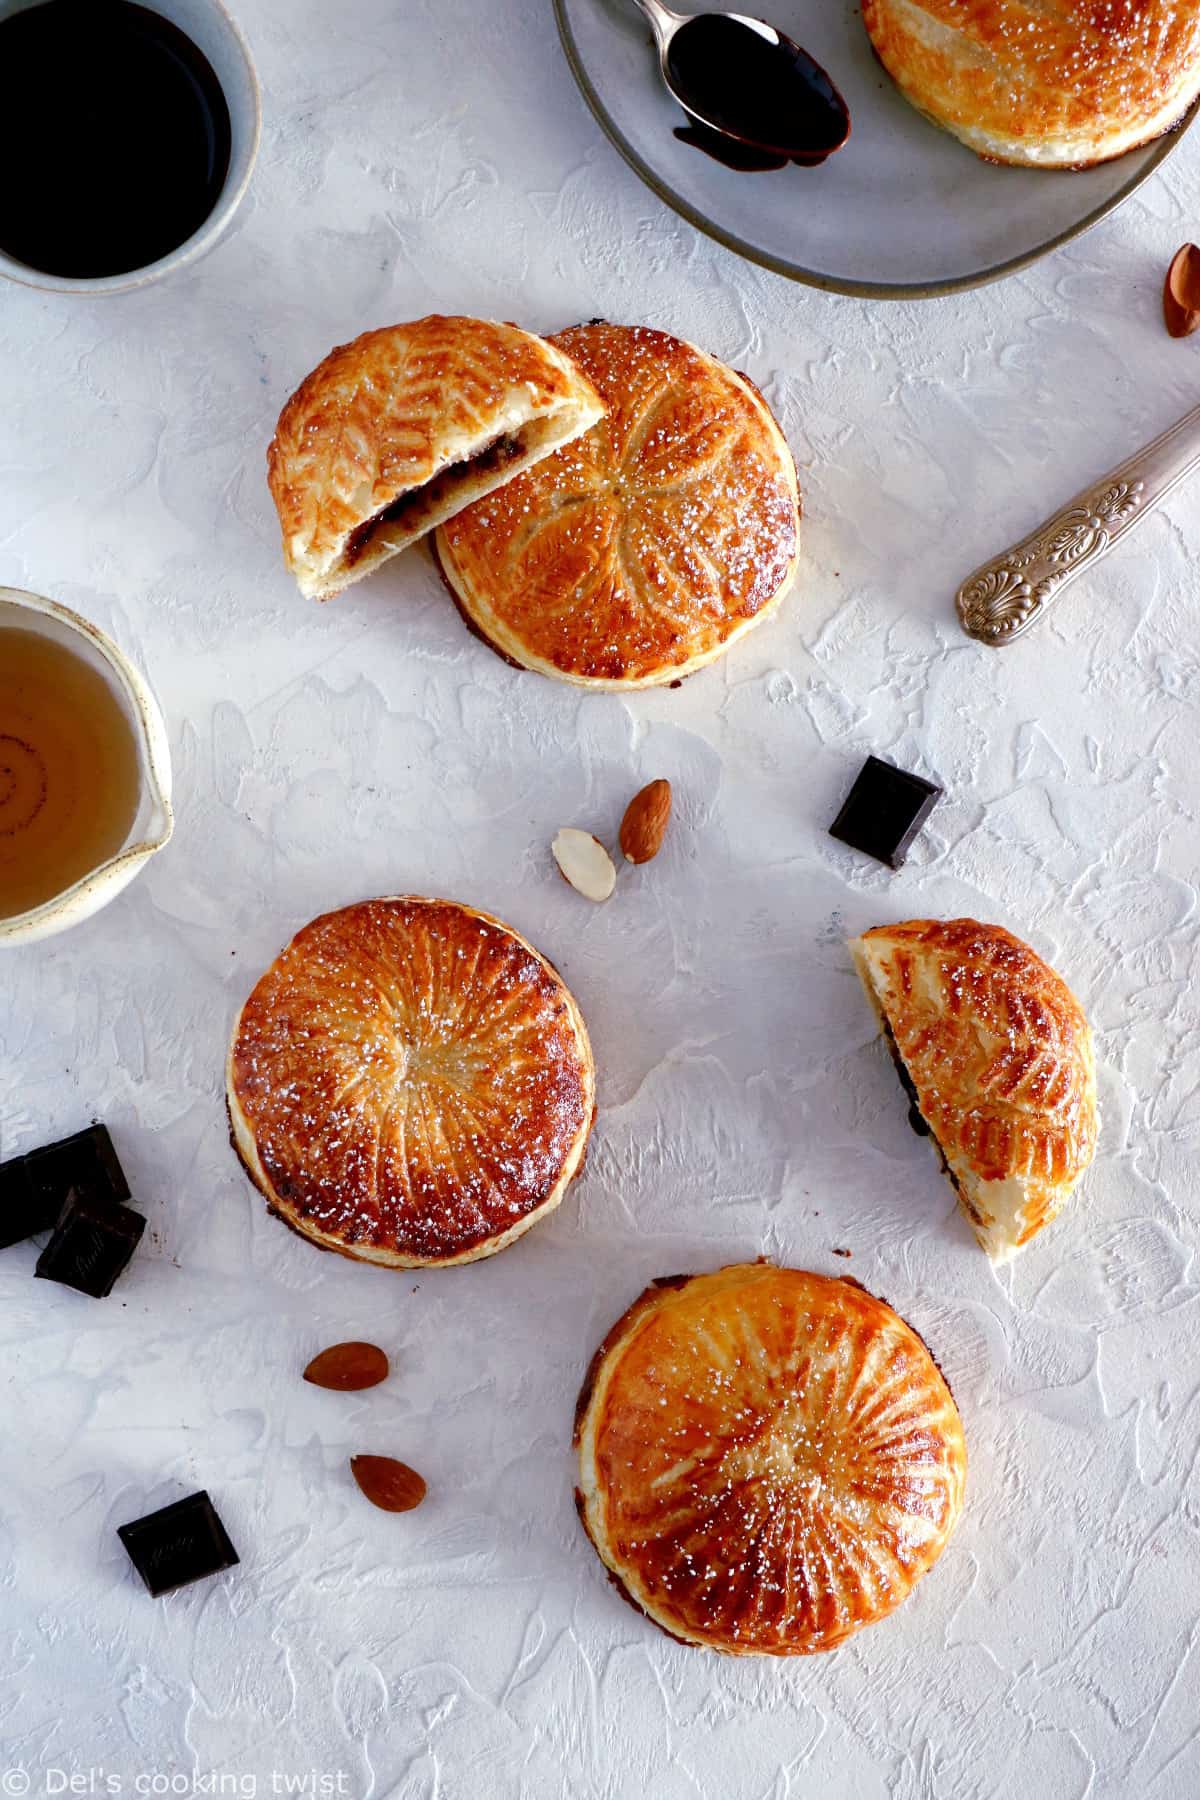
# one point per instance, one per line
(1007, 594)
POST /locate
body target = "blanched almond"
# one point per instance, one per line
(348, 1367)
(585, 863)
(388, 1484)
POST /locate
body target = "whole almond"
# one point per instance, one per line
(1181, 292)
(388, 1484)
(645, 823)
(348, 1367)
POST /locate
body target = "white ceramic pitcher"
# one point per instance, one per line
(153, 821)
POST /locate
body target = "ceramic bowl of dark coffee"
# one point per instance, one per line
(129, 133)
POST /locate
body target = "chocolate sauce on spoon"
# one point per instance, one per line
(758, 100)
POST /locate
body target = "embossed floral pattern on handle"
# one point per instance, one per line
(1007, 594)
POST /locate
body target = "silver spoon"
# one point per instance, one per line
(749, 83)
(1012, 591)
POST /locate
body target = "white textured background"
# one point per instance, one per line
(433, 154)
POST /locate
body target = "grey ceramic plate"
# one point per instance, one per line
(903, 211)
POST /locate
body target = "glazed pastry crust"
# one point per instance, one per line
(768, 1459)
(399, 409)
(644, 549)
(1060, 85)
(410, 1083)
(1000, 1054)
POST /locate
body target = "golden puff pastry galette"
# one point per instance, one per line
(399, 429)
(768, 1459)
(410, 1083)
(1050, 86)
(996, 1056)
(645, 548)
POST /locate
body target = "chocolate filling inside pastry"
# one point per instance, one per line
(920, 1123)
(412, 507)
(916, 1117)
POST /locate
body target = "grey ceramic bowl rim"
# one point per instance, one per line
(833, 284)
(202, 239)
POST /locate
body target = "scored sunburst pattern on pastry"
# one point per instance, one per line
(410, 1082)
(769, 1458)
(642, 549)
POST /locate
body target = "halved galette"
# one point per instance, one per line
(995, 1054)
(399, 429)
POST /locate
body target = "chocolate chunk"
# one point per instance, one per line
(23, 1211)
(91, 1245)
(884, 811)
(86, 1162)
(178, 1544)
(34, 1188)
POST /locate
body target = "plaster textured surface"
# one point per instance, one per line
(435, 156)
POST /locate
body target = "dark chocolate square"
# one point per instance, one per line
(884, 811)
(86, 1162)
(179, 1544)
(34, 1188)
(23, 1210)
(91, 1245)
